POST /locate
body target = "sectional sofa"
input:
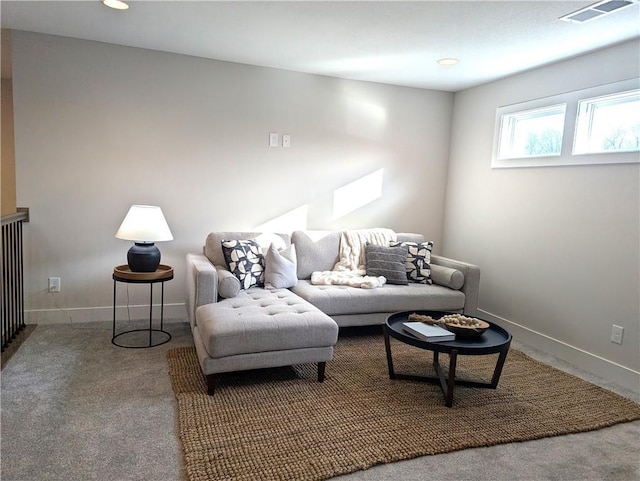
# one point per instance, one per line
(239, 325)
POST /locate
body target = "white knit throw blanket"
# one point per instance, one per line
(350, 269)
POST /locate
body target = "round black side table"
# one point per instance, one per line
(161, 275)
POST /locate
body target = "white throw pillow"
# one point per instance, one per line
(280, 268)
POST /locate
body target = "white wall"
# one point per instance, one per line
(558, 246)
(100, 127)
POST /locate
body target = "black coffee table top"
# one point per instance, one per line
(492, 340)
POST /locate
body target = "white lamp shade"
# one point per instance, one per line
(144, 223)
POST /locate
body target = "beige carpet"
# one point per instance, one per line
(281, 424)
(15, 344)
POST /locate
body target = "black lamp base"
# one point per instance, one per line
(143, 257)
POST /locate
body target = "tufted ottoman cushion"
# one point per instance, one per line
(261, 320)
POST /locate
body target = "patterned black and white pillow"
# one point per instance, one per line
(418, 262)
(245, 260)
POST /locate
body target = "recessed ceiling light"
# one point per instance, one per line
(117, 4)
(448, 61)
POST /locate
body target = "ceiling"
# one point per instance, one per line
(395, 42)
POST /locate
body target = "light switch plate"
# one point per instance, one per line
(286, 140)
(273, 140)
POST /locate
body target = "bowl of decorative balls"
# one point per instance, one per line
(464, 327)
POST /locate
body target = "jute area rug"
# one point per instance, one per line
(281, 424)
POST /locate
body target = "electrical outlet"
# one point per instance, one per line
(54, 284)
(616, 334)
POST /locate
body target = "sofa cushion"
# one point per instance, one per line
(418, 262)
(410, 237)
(213, 244)
(245, 261)
(388, 262)
(267, 239)
(316, 251)
(280, 268)
(340, 300)
(262, 320)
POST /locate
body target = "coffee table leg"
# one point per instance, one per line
(387, 345)
(453, 358)
(498, 370)
(446, 384)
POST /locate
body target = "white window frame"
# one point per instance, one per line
(566, 156)
(508, 127)
(588, 109)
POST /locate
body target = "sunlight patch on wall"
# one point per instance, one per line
(357, 194)
(296, 219)
(365, 114)
(365, 118)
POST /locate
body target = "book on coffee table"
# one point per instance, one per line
(428, 332)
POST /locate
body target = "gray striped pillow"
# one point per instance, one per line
(388, 262)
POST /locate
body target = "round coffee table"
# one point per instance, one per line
(494, 340)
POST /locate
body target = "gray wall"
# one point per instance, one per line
(558, 246)
(100, 127)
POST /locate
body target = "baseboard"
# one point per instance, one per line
(100, 314)
(592, 363)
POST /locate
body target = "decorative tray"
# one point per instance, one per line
(467, 332)
(464, 327)
(124, 272)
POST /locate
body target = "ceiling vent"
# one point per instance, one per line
(596, 10)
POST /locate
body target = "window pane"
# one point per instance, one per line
(532, 133)
(608, 124)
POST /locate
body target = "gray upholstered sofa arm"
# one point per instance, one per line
(202, 283)
(471, 280)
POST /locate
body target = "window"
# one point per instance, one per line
(598, 125)
(608, 124)
(532, 133)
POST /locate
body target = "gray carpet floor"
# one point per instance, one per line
(75, 407)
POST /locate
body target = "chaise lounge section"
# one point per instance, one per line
(262, 328)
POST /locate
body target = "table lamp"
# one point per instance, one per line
(144, 224)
